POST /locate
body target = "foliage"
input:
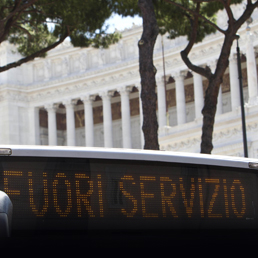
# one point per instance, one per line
(195, 19)
(160, 16)
(173, 19)
(229, 35)
(177, 22)
(36, 26)
(33, 40)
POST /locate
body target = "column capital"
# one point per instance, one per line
(160, 81)
(88, 98)
(125, 89)
(233, 57)
(249, 37)
(69, 102)
(107, 94)
(51, 107)
(179, 75)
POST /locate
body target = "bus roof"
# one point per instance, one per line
(127, 154)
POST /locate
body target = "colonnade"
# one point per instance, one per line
(179, 77)
(87, 100)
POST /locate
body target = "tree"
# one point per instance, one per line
(145, 8)
(26, 24)
(215, 78)
(195, 19)
(158, 17)
(147, 73)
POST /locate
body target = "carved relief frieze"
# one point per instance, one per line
(189, 143)
(14, 96)
(83, 59)
(80, 87)
(218, 137)
(57, 67)
(39, 72)
(226, 134)
(75, 63)
(252, 127)
(234, 132)
(61, 68)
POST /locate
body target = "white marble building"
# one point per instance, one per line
(90, 97)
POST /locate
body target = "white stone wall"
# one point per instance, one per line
(70, 74)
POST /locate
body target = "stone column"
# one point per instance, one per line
(107, 118)
(34, 127)
(70, 122)
(52, 130)
(251, 69)
(162, 109)
(88, 118)
(198, 95)
(234, 82)
(180, 97)
(126, 116)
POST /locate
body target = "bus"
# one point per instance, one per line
(84, 192)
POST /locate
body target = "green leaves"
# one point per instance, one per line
(125, 8)
(32, 39)
(174, 17)
(96, 40)
(36, 24)
(177, 19)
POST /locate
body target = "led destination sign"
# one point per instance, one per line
(81, 193)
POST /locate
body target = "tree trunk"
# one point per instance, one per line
(147, 73)
(211, 95)
(209, 112)
(215, 80)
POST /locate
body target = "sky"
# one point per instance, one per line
(121, 23)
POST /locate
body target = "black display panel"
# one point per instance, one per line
(89, 194)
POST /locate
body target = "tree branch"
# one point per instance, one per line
(231, 18)
(34, 55)
(197, 69)
(10, 19)
(199, 15)
(246, 14)
(184, 54)
(204, 1)
(20, 8)
(23, 29)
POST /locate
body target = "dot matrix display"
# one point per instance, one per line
(60, 193)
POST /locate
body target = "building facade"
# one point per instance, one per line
(90, 97)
